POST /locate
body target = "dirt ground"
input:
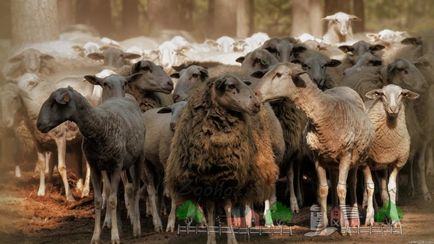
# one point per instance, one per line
(26, 218)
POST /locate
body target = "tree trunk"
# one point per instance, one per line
(359, 11)
(96, 13)
(243, 18)
(5, 19)
(66, 11)
(34, 21)
(300, 21)
(167, 14)
(315, 15)
(224, 17)
(333, 6)
(130, 18)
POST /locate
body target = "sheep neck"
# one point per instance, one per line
(86, 118)
(311, 100)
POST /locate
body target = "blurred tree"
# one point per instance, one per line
(130, 18)
(34, 21)
(315, 16)
(359, 11)
(333, 6)
(167, 14)
(96, 13)
(5, 19)
(300, 17)
(66, 10)
(244, 10)
(273, 17)
(223, 17)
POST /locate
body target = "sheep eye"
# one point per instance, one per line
(195, 75)
(278, 75)
(231, 86)
(146, 68)
(405, 71)
(304, 66)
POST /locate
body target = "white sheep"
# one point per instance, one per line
(339, 27)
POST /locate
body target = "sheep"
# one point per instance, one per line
(315, 64)
(113, 57)
(188, 78)
(112, 143)
(405, 74)
(387, 35)
(87, 48)
(169, 53)
(160, 124)
(251, 43)
(339, 132)
(221, 149)
(148, 88)
(28, 61)
(13, 119)
(339, 27)
(280, 47)
(32, 90)
(225, 44)
(391, 145)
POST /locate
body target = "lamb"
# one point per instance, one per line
(339, 27)
(391, 145)
(339, 132)
(405, 74)
(221, 149)
(315, 64)
(112, 143)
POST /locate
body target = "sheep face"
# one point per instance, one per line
(113, 57)
(10, 104)
(225, 44)
(260, 59)
(391, 96)
(366, 60)
(31, 60)
(359, 48)
(168, 53)
(153, 78)
(341, 22)
(113, 85)
(280, 48)
(232, 94)
(175, 110)
(281, 81)
(406, 75)
(187, 79)
(58, 108)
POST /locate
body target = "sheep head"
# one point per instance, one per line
(232, 94)
(153, 78)
(392, 96)
(341, 22)
(188, 78)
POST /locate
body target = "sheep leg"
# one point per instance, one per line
(105, 195)
(228, 212)
(422, 174)
(341, 189)
(42, 158)
(211, 233)
(430, 160)
(172, 215)
(268, 220)
(86, 188)
(152, 196)
(96, 183)
(292, 197)
(391, 187)
(112, 204)
(323, 189)
(299, 180)
(353, 188)
(137, 231)
(370, 186)
(61, 155)
(128, 195)
(383, 187)
(248, 215)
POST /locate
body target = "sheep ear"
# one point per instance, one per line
(164, 110)
(412, 41)
(77, 48)
(330, 17)
(63, 98)
(346, 48)
(94, 80)
(374, 94)
(136, 67)
(240, 59)
(409, 94)
(373, 36)
(175, 75)
(133, 77)
(298, 81)
(333, 63)
(422, 61)
(376, 47)
(203, 73)
(298, 49)
(131, 55)
(46, 57)
(220, 84)
(16, 58)
(258, 74)
(376, 62)
(247, 82)
(95, 56)
(354, 18)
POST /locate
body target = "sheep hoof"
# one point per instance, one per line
(41, 192)
(107, 223)
(137, 232)
(79, 186)
(170, 227)
(70, 198)
(85, 192)
(17, 172)
(294, 207)
(396, 224)
(427, 196)
(158, 229)
(116, 240)
(95, 240)
(211, 241)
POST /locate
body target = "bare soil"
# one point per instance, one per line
(27, 218)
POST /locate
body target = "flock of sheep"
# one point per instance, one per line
(220, 133)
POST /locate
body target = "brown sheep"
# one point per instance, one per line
(222, 149)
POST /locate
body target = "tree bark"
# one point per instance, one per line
(130, 18)
(359, 11)
(315, 16)
(333, 6)
(300, 17)
(167, 14)
(224, 17)
(243, 18)
(34, 21)
(96, 13)
(66, 11)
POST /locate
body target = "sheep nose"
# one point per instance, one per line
(172, 126)
(258, 93)
(393, 109)
(176, 98)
